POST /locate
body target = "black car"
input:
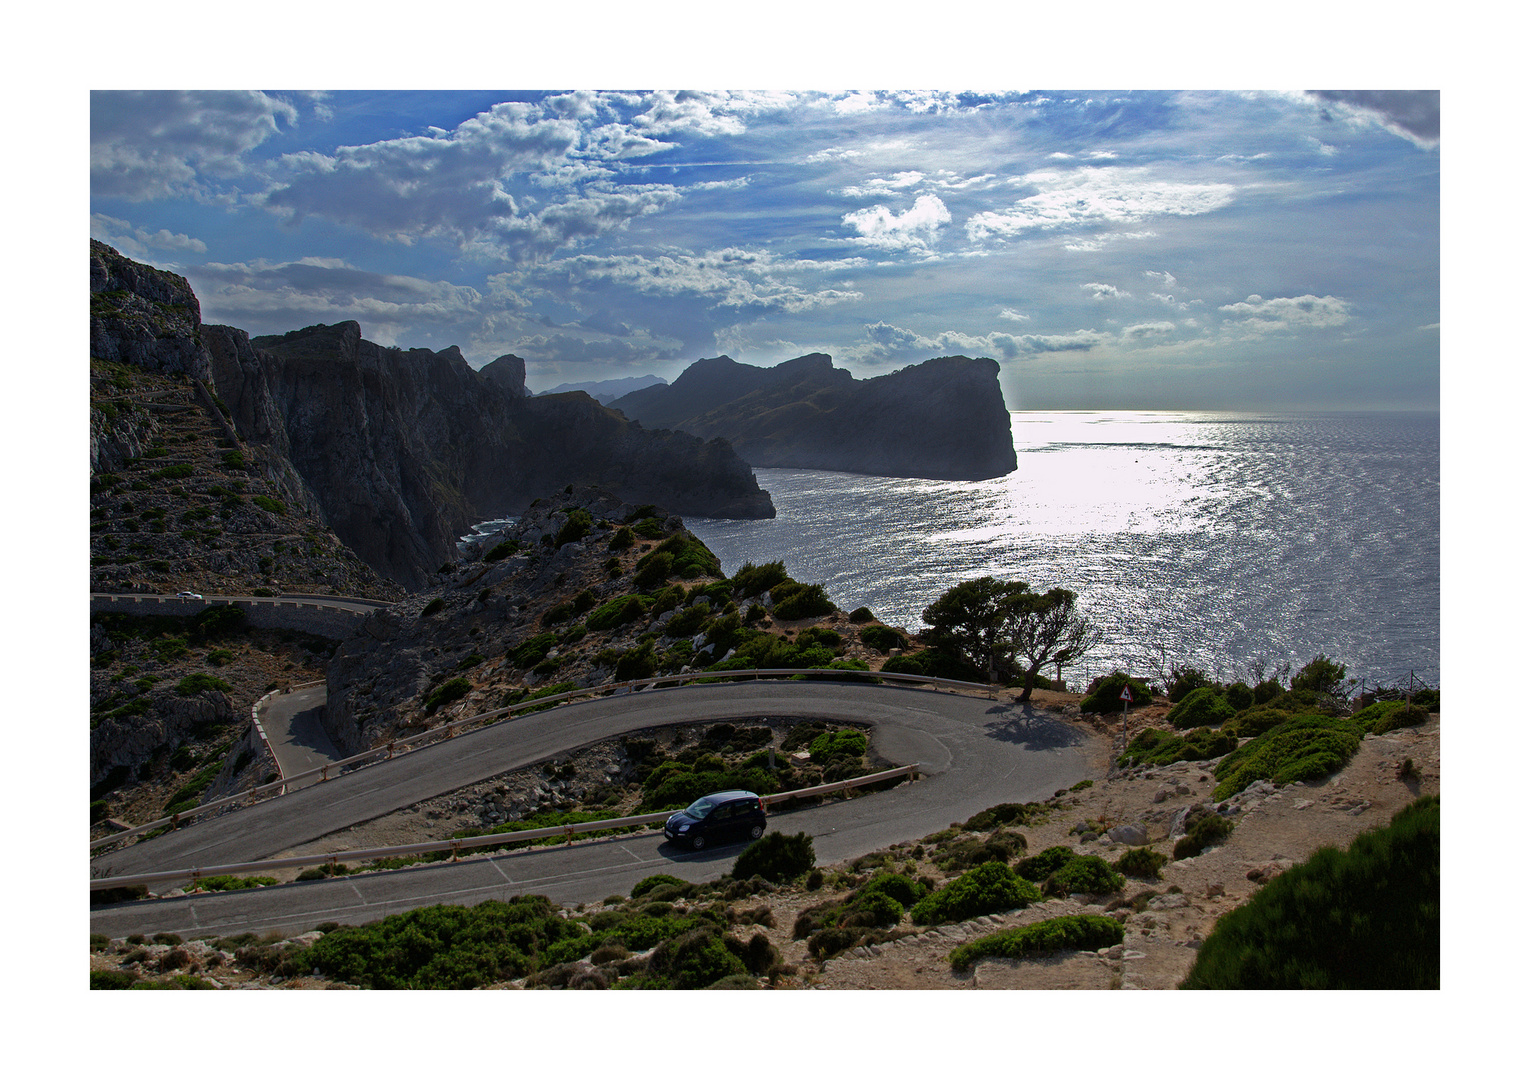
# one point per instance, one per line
(718, 818)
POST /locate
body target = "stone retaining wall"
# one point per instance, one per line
(308, 616)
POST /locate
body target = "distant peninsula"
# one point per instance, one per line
(944, 419)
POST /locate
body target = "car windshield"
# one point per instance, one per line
(700, 808)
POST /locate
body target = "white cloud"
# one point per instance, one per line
(881, 186)
(1261, 316)
(912, 230)
(728, 278)
(706, 113)
(153, 144)
(1011, 313)
(1101, 291)
(1163, 277)
(1147, 330)
(1101, 241)
(137, 242)
(1412, 114)
(1097, 196)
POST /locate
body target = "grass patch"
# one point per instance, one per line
(1067, 932)
(983, 890)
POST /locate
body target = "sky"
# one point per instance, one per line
(1110, 249)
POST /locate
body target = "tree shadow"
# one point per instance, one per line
(307, 731)
(1030, 728)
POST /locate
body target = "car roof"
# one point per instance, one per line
(729, 796)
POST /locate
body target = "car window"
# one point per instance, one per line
(699, 808)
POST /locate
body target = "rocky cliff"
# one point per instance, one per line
(398, 451)
(944, 419)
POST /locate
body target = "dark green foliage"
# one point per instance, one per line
(797, 601)
(758, 956)
(1183, 680)
(753, 580)
(1142, 862)
(533, 649)
(1106, 698)
(1082, 874)
(220, 620)
(617, 612)
(112, 980)
(694, 960)
(1202, 707)
(845, 743)
(883, 638)
(1044, 863)
(174, 472)
(232, 883)
(268, 504)
(448, 692)
(1428, 700)
(577, 527)
(1255, 721)
(649, 528)
(1154, 746)
(776, 857)
(986, 889)
(501, 550)
(1303, 748)
(648, 884)
(999, 846)
(1204, 832)
(861, 615)
(1240, 695)
(198, 681)
(653, 569)
(622, 539)
(674, 785)
(434, 606)
(636, 663)
(1322, 676)
(1386, 716)
(444, 947)
(902, 889)
(1266, 690)
(934, 664)
(1363, 919)
(1070, 932)
(1006, 814)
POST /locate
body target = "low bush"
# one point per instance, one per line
(861, 615)
(1106, 695)
(1154, 746)
(232, 883)
(449, 691)
(434, 606)
(1044, 863)
(1142, 862)
(622, 539)
(1255, 721)
(1030, 813)
(797, 601)
(1000, 845)
(776, 857)
(1202, 707)
(1302, 748)
(1082, 874)
(1070, 932)
(649, 884)
(983, 890)
(1367, 918)
(1240, 695)
(270, 505)
(577, 527)
(883, 638)
(1407, 716)
(1204, 832)
(1183, 681)
(617, 612)
(695, 960)
(752, 580)
(198, 681)
(844, 743)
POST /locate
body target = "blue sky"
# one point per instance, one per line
(1110, 249)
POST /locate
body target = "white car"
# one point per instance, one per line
(188, 596)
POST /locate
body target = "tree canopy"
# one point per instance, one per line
(1008, 630)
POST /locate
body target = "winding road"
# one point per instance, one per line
(973, 752)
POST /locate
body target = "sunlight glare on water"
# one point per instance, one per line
(1223, 540)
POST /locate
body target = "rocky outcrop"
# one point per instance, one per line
(509, 372)
(407, 449)
(143, 316)
(944, 419)
(399, 451)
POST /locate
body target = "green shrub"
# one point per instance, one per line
(1204, 832)
(998, 846)
(1106, 697)
(636, 663)
(577, 527)
(695, 960)
(232, 883)
(1044, 863)
(753, 580)
(845, 743)
(1240, 695)
(654, 881)
(1184, 680)
(1142, 862)
(445, 947)
(1153, 746)
(174, 472)
(1006, 814)
(434, 606)
(883, 638)
(1321, 675)
(501, 550)
(622, 539)
(796, 601)
(1202, 707)
(1303, 748)
(904, 890)
(983, 890)
(776, 857)
(533, 650)
(448, 692)
(112, 980)
(618, 612)
(1367, 918)
(1407, 716)
(199, 681)
(270, 505)
(861, 615)
(1070, 932)
(1255, 721)
(1083, 874)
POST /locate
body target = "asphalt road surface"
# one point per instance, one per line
(974, 752)
(298, 740)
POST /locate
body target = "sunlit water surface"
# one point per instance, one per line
(1223, 540)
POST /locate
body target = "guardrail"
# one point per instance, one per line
(456, 847)
(450, 729)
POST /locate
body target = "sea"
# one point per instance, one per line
(1236, 543)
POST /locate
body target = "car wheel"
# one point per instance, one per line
(698, 842)
(756, 832)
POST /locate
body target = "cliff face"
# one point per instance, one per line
(944, 419)
(399, 451)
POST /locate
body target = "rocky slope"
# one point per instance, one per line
(400, 451)
(521, 612)
(944, 419)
